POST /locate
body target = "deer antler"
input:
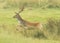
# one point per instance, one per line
(21, 9)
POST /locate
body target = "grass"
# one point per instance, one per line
(11, 38)
(8, 33)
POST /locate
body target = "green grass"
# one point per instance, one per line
(12, 38)
(8, 33)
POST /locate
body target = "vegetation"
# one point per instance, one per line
(30, 3)
(43, 11)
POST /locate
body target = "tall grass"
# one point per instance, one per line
(31, 3)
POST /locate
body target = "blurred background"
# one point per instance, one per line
(32, 3)
(46, 12)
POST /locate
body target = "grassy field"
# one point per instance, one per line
(8, 33)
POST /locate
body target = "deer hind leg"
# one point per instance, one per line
(19, 27)
(40, 27)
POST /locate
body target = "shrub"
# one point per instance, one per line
(53, 28)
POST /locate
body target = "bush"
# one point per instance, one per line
(53, 28)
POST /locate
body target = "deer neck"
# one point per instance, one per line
(20, 20)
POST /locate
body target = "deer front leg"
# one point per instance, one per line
(19, 27)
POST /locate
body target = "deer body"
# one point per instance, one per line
(25, 23)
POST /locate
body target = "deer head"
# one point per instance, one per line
(17, 15)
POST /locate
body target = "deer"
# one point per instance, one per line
(24, 23)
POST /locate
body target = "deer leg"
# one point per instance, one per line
(19, 27)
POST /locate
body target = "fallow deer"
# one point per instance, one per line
(26, 24)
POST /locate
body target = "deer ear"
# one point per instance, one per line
(16, 13)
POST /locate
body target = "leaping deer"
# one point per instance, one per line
(24, 23)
